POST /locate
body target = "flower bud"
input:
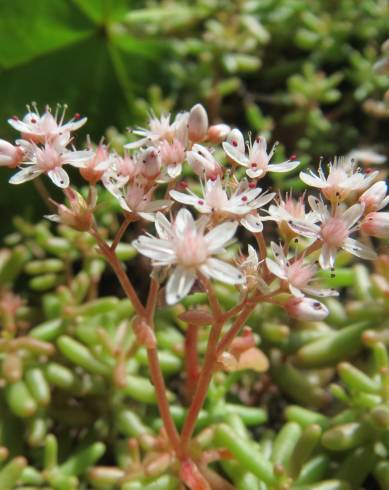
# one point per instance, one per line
(218, 133)
(144, 333)
(306, 309)
(376, 224)
(197, 123)
(375, 198)
(79, 214)
(10, 156)
(203, 162)
(236, 139)
(150, 163)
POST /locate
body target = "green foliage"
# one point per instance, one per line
(77, 387)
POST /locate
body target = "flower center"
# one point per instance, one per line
(48, 159)
(299, 274)
(191, 249)
(334, 232)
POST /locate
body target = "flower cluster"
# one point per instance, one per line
(205, 192)
(224, 192)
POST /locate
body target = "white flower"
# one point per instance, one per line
(343, 178)
(241, 205)
(134, 196)
(161, 129)
(334, 231)
(257, 160)
(49, 160)
(296, 273)
(46, 127)
(289, 209)
(184, 246)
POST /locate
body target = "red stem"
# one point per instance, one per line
(119, 234)
(120, 273)
(191, 359)
(202, 386)
(152, 353)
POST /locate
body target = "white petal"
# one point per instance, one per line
(156, 205)
(25, 175)
(104, 165)
(248, 196)
(357, 248)
(352, 215)
(275, 269)
(263, 200)
(320, 292)
(184, 221)
(284, 166)
(74, 125)
(255, 174)
(295, 291)
(179, 284)
(174, 171)
(278, 253)
(59, 177)
(235, 136)
(137, 144)
(318, 207)
(19, 125)
(235, 155)
(220, 235)
(221, 271)
(252, 223)
(185, 198)
(163, 226)
(304, 228)
(327, 256)
(158, 250)
(312, 180)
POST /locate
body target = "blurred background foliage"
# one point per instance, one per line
(314, 78)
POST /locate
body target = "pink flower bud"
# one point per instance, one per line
(150, 163)
(306, 309)
(79, 214)
(375, 198)
(197, 123)
(10, 156)
(218, 133)
(376, 224)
